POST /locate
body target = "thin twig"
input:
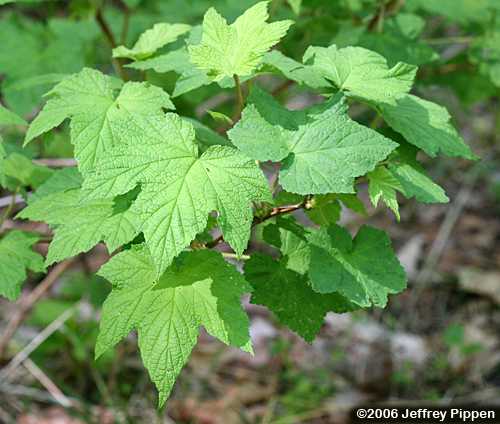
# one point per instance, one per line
(9, 209)
(449, 40)
(27, 303)
(46, 382)
(57, 163)
(106, 30)
(55, 325)
(235, 256)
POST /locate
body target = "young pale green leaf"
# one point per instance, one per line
(16, 256)
(296, 6)
(179, 188)
(361, 73)
(290, 297)
(382, 185)
(323, 150)
(425, 125)
(236, 49)
(99, 118)
(365, 269)
(80, 225)
(151, 40)
(200, 289)
(10, 118)
(221, 118)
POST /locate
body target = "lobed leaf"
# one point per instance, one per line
(365, 269)
(236, 49)
(151, 40)
(290, 297)
(16, 255)
(99, 118)
(322, 149)
(200, 289)
(179, 188)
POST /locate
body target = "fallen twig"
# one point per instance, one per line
(27, 302)
(7, 371)
(46, 382)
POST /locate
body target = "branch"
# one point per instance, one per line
(281, 210)
(28, 301)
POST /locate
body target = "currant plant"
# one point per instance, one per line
(165, 192)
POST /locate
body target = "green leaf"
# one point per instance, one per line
(151, 40)
(276, 62)
(291, 239)
(200, 289)
(10, 118)
(289, 296)
(24, 171)
(412, 177)
(485, 53)
(190, 77)
(80, 225)
(396, 49)
(365, 269)
(296, 6)
(206, 136)
(61, 180)
(236, 49)
(35, 82)
(322, 149)
(221, 118)
(325, 209)
(382, 185)
(179, 188)
(99, 119)
(361, 73)
(30, 49)
(397, 43)
(352, 202)
(16, 256)
(425, 125)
